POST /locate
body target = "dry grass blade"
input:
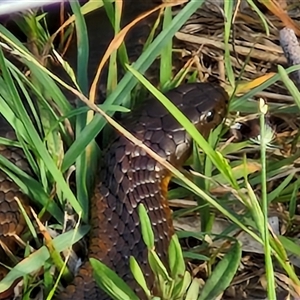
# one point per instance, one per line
(118, 40)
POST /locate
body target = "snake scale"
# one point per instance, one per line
(128, 177)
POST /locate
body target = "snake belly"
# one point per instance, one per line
(129, 177)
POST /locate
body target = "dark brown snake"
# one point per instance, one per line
(128, 177)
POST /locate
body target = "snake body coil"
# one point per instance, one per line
(130, 177)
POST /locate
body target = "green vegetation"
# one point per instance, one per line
(227, 181)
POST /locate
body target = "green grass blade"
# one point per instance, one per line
(86, 161)
(113, 285)
(147, 232)
(128, 82)
(36, 260)
(223, 274)
(265, 229)
(228, 11)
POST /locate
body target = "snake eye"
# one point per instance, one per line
(209, 116)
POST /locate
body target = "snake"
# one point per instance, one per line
(128, 177)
